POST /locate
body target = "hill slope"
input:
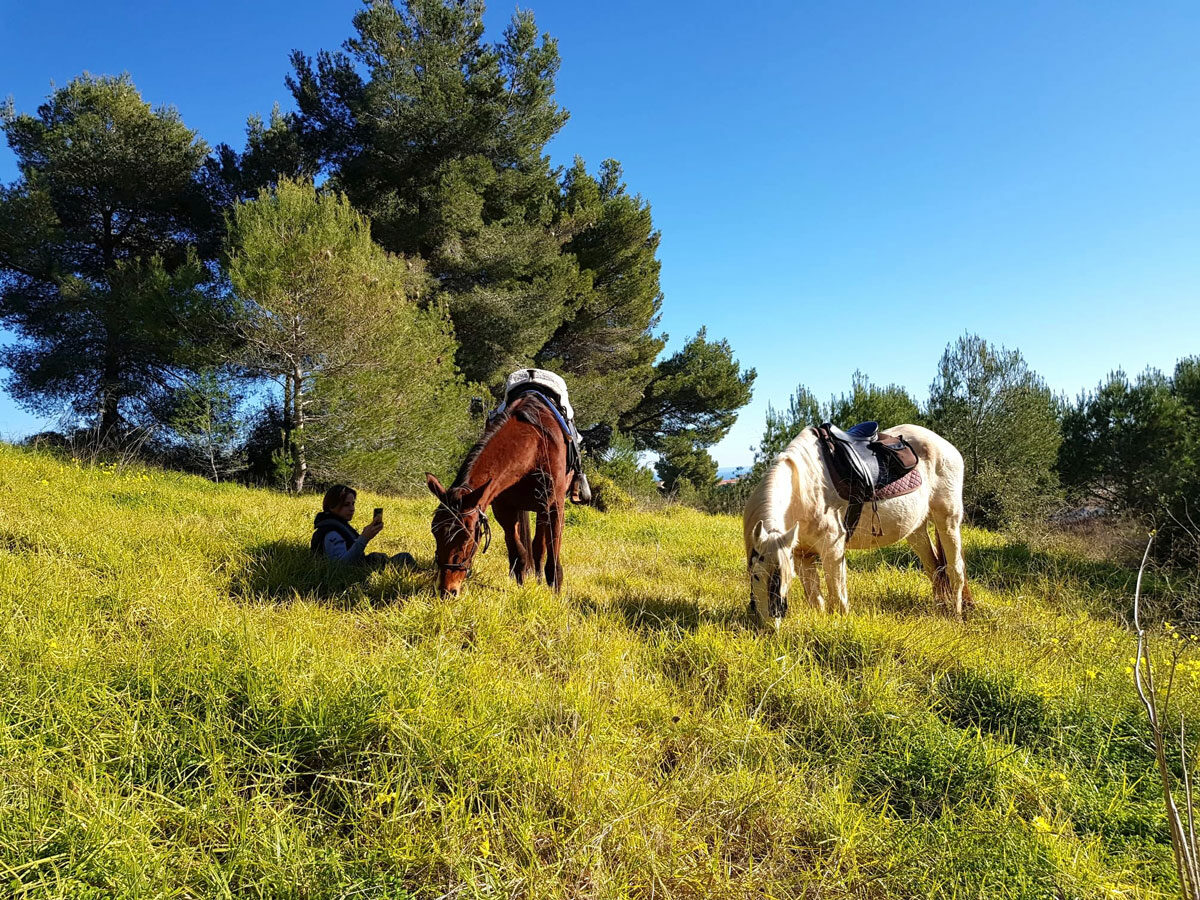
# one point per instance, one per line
(185, 712)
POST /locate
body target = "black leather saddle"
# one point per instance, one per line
(862, 462)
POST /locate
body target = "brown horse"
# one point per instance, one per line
(519, 466)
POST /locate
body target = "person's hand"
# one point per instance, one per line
(373, 529)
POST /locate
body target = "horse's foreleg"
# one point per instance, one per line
(834, 562)
(810, 579)
(949, 532)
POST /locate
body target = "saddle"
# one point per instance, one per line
(867, 466)
(555, 405)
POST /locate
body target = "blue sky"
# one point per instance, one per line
(839, 186)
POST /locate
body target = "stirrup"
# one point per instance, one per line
(581, 491)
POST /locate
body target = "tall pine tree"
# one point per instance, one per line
(606, 346)
(102, 241)
(439, 137)
(368, 387)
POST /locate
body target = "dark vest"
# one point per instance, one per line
(323, 524)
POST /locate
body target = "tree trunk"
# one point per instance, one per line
(110, 409)
(110, 412)
(299, 461)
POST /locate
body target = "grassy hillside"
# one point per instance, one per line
(185, 711)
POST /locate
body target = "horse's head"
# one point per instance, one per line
(771, 570)
(460, 528)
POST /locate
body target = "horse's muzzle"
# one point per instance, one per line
(451, 582)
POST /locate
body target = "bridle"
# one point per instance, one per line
(483, 538)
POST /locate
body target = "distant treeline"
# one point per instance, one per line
(324, 303)
(1129, 448)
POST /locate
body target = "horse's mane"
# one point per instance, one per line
(527, 408)
(770, 499)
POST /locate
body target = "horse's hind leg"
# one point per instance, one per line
(515, 523)
(949, 532)
(554, 570)
(919, 541)
(541, 541)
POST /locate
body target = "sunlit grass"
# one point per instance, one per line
(191, 707)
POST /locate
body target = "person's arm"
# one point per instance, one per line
(335, 548)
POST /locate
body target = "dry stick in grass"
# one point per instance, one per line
(1183, 844)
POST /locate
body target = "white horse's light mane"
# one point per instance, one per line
(775, 494)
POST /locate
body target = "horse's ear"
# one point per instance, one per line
(789, 537)
(435, 487)
(760, 532)
(471, 499)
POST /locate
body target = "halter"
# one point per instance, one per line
(483, 537)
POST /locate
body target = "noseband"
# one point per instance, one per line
(483, 537)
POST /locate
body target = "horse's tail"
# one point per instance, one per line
(941, 581)
(523, 535)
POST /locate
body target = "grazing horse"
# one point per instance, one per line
(795, 518)
(519, 466)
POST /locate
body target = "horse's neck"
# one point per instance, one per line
(492, 468)
(778, 491)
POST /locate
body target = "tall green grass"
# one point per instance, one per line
(191, 707)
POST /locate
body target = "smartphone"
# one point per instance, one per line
(378, 514)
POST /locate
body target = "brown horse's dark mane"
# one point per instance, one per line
(527, 408)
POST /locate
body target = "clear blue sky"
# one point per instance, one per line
(839, 185)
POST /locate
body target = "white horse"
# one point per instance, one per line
(795, 517)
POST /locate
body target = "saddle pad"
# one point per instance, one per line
(562, 422)
(899, 488)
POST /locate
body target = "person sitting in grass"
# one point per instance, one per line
(334, 537)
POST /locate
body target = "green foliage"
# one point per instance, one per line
(370, 392)
(203, 416)
(694, 396)
(889, 405)
(621, 465)
(1134, 446)
(440, 142)
(101, 246)
(273, 150)
(605, 346)
(1129, 441)
(782, 427)
(681, 461)
(440, 138)
(193, 706)
(268, 457)
(1005, 422)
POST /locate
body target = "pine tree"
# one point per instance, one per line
(695, 393)
(606, 347)
(1005, 422)
(369, 390)
(889, 405)
(441, 144)
(102, 246)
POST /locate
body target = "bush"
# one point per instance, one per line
(620, 466)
